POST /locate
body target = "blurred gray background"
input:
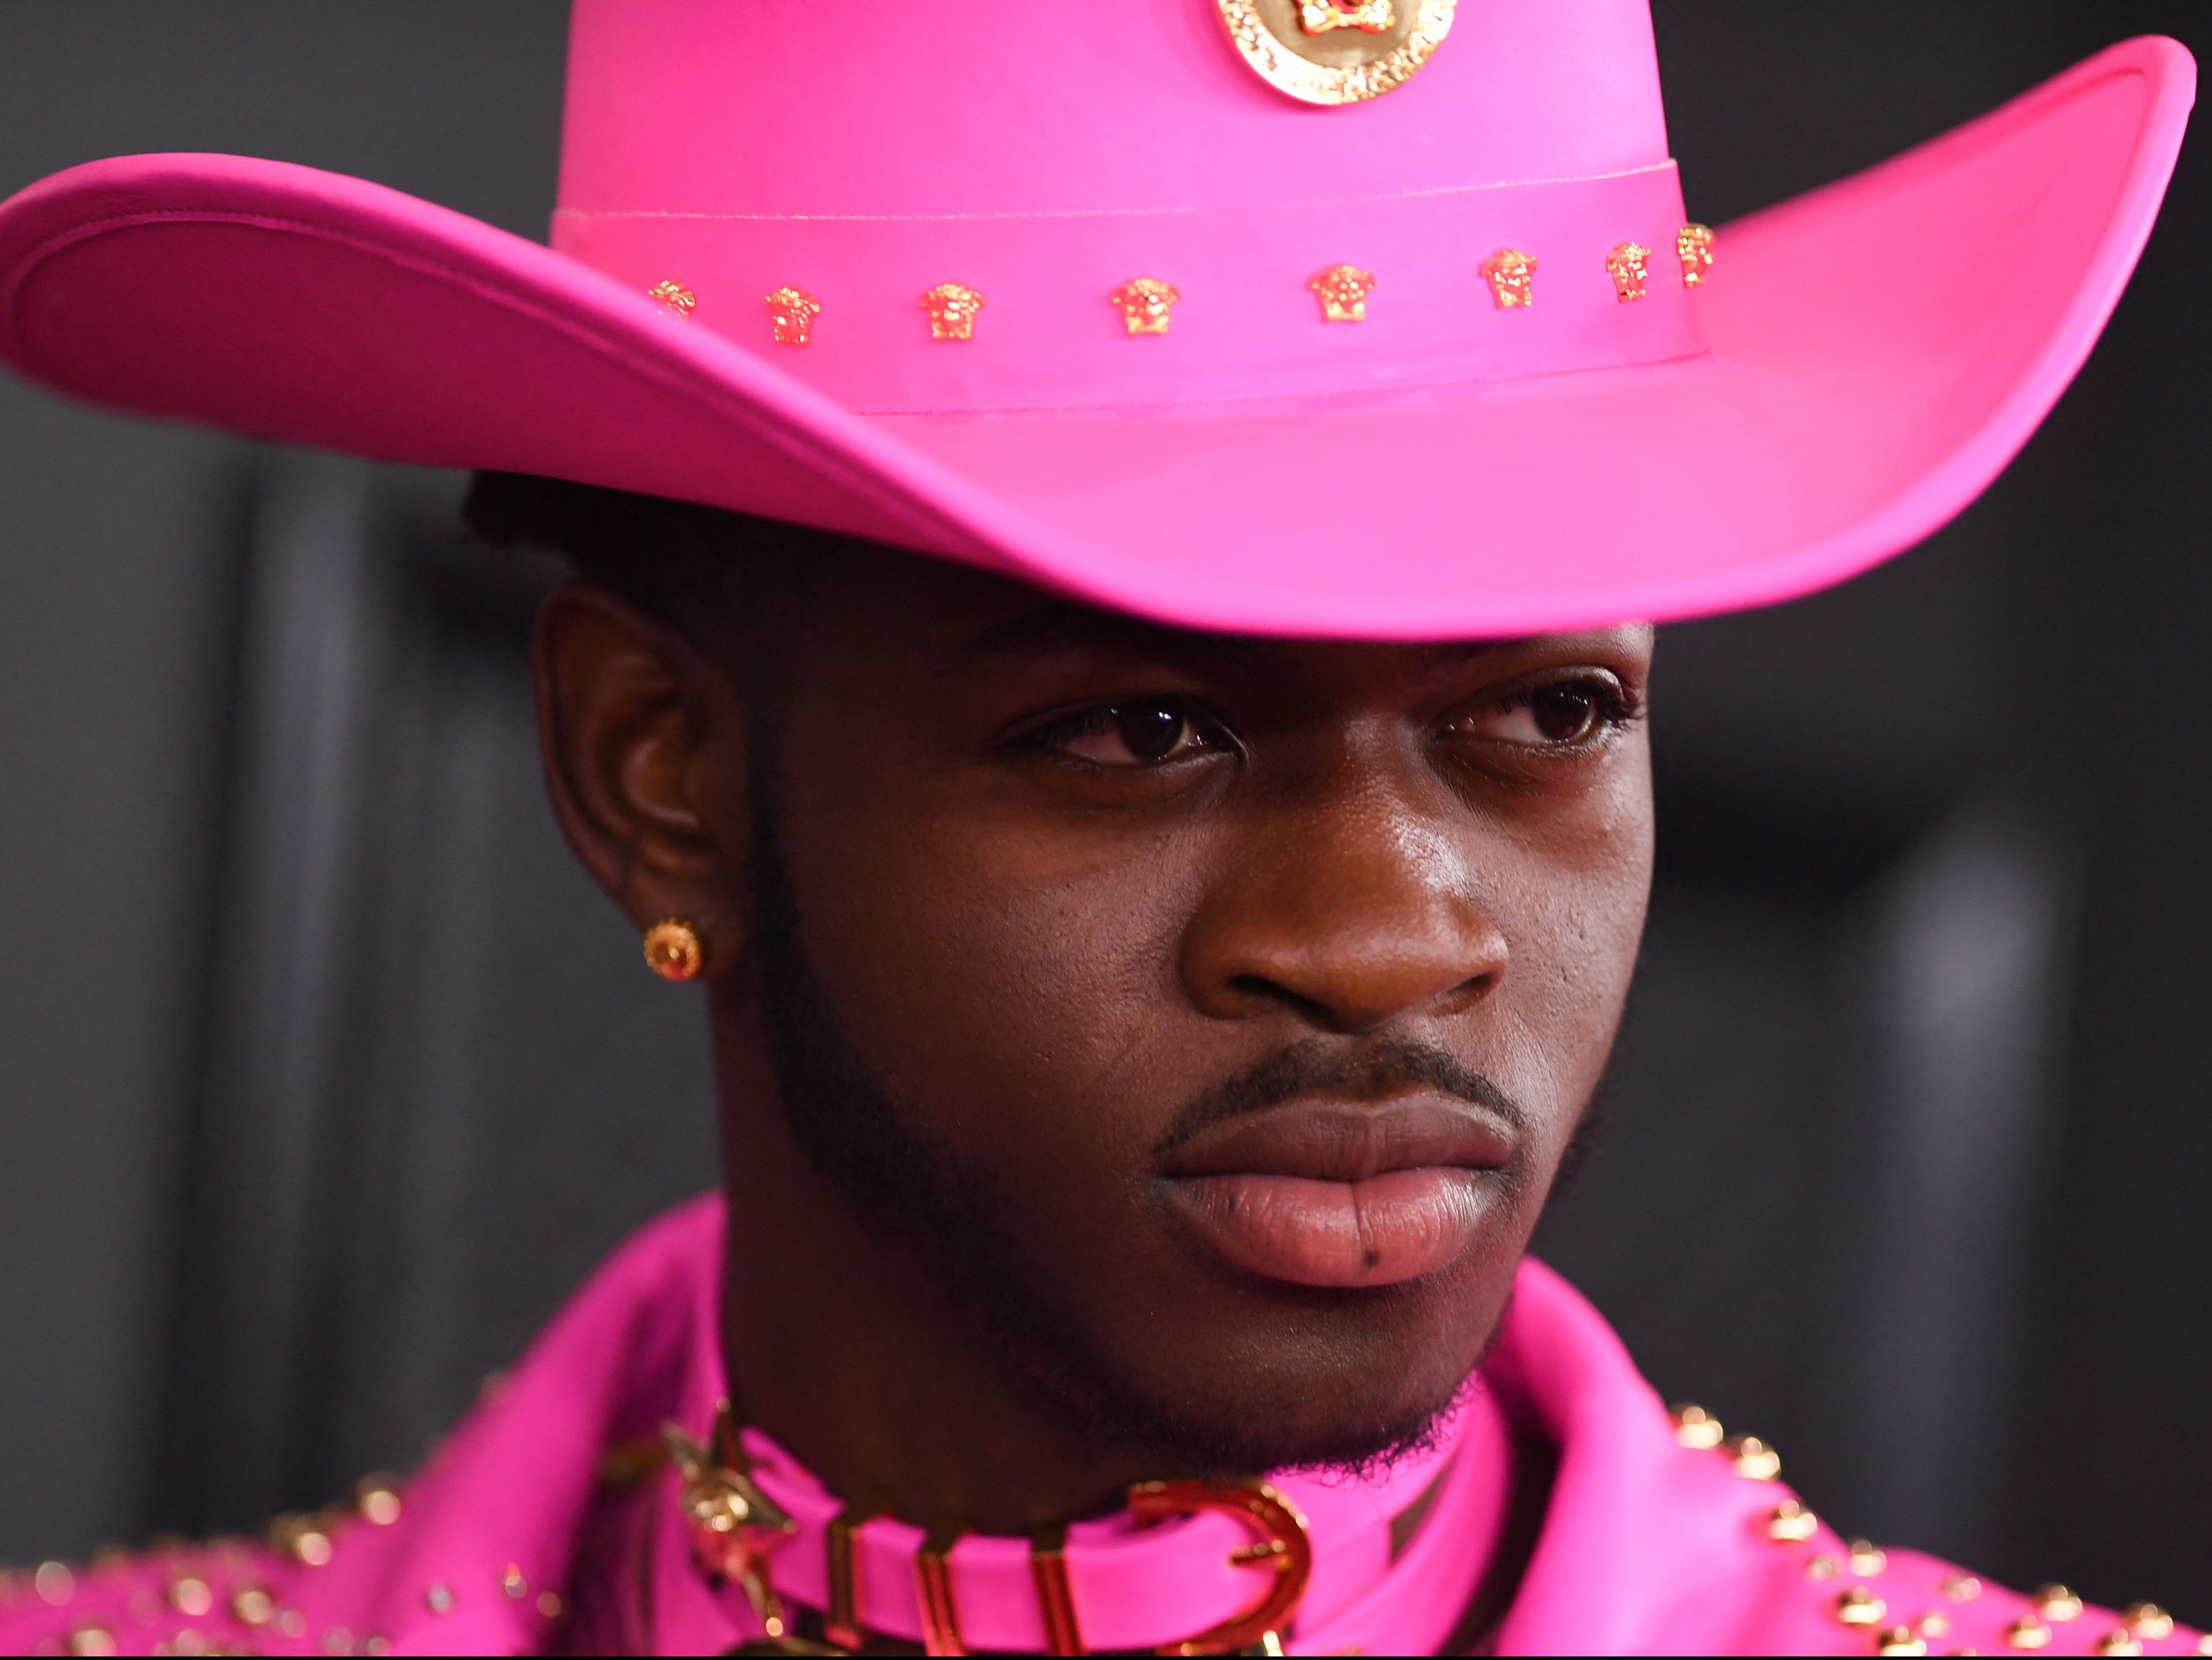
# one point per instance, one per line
(324, 1075)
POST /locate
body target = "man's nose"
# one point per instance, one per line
(1353, 913)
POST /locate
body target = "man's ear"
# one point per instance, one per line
(644, 747)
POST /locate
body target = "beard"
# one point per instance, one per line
(903, 1183)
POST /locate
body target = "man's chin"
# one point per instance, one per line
(1231, 1434)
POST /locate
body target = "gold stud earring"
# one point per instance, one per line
(673, 949)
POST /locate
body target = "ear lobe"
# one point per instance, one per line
(643, 745)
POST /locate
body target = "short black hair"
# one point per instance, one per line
(688, 565)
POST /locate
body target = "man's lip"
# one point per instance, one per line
(1384, 1231)
(1339, 1141)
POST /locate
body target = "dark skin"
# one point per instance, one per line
(1059, 874)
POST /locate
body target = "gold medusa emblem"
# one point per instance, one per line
(1147, 304)
(1512, 277)
(1693, 246)
(1629, 267)
(791, 313)
(953, 309)
(674, 295)
(1320, 17)
(1343, 290)
(1336, 51)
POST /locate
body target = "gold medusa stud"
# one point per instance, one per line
(2148, 1621)
(1627, 265)
(1320, 17)
(953, 309)
(791, 312)
(1511, 275)
(1693, 246)
(1754, 1458)
(1791, 1523)
(1147, 304)
(1860, 1606)
(2057, 1603)
(674, 295)
(1698, 1429)
(1343, 290)
(673, 949)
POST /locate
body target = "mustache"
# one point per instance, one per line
(1367, 1071)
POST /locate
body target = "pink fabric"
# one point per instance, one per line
(1875, 353)
(1646, 1547)
(1132, 1588)
(764, 108)
(1247, 325)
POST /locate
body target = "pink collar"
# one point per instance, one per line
(1126, 1586)
(511, 1540)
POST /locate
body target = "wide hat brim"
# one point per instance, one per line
(1878, 351)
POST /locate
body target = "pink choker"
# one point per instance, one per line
(1296, 1564)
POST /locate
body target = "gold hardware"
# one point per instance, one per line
(304, 1538)
(1755, 1459)
(1933, 1624)
(1511, 275)
(2149, 1621)
(840, 1620)
(2118, 1640)
(1693, 246)
(1962, 1588)
(1063, 1631)
(791, 313)
(952, 309)
(1147, 304)
(933, 1586)
(1626, 266)
(1900, 1639)
(1791, 1523)
(1280, 1541)
(1860, 1606)
(1343, 290)
(191, 1596)
(253, 1606)
(734, 1526)
(1320, 17)
(674, 950)
(674, 295)
(1868, 1558)
(2057, 1603)
(1698, 1429)
(2027, 1633)
(1823, 1567)
(1327, 65)
(377, 1498)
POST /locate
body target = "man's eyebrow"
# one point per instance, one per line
(1058, 626)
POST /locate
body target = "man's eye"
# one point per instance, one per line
(1560, 715)
(1130, 735)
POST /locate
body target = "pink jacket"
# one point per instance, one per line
(508, 1541)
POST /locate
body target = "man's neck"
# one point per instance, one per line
(841, 1346)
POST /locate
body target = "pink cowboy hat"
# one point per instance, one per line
(1376, 318)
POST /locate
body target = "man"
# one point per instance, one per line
(1116, 569)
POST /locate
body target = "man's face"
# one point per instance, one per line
(1214, 1012)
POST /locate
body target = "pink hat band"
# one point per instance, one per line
(1244, 304)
